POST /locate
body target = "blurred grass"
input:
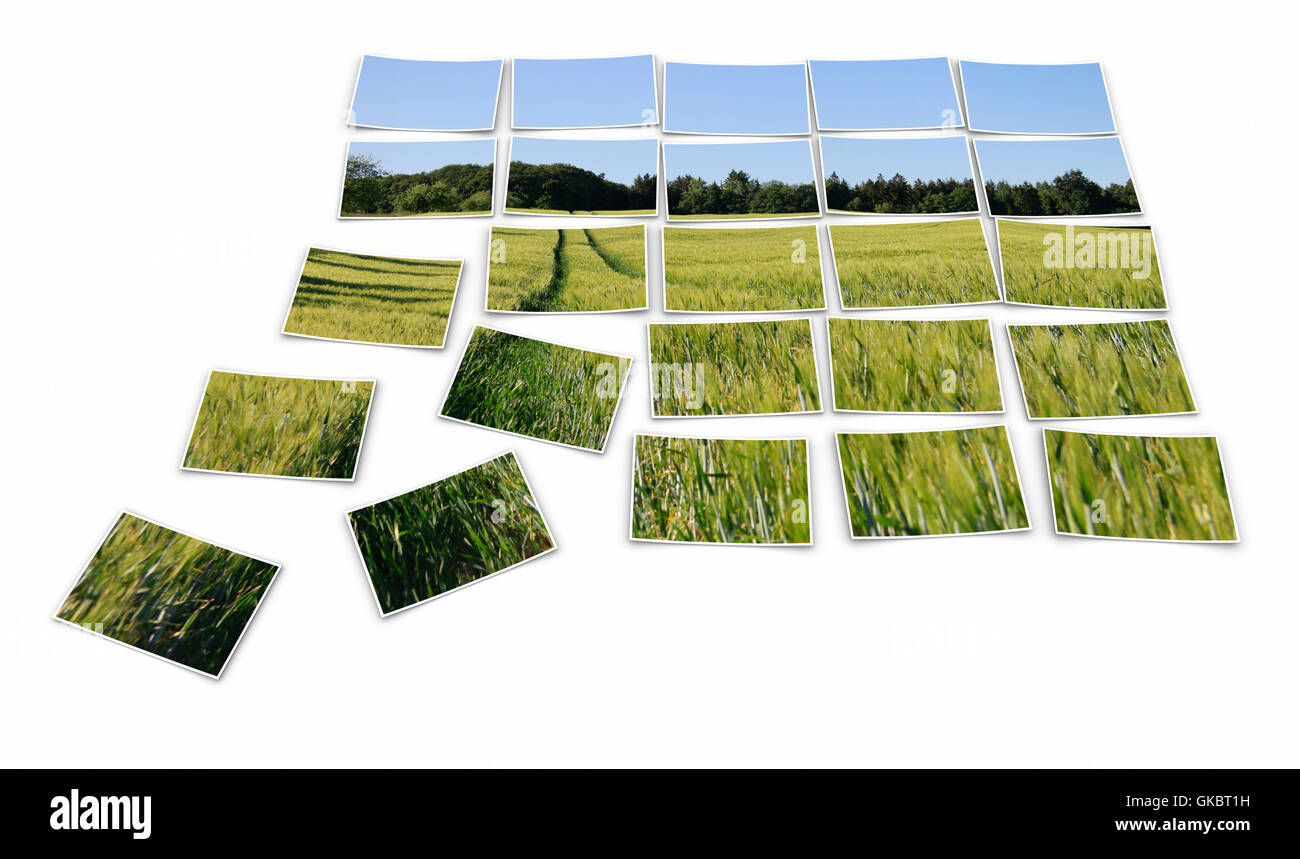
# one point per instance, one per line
(718, 270)
(405, 302)
(887, 365)
(1141, 487)
(1029, 280)
(1099, 370)
(908, 265)
(573, 271)
(274, 425)
(720, 490)
(169, 594)
(535, 388)
(913, 484)
(452, 532)
(762, 367)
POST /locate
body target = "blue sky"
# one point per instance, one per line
(426, 95)
(862, 95)
(713, 99)
(859, 158)
(620, 160)
(584, 93)
(1016, 161)
(419, 156)
(1028, 99)
(785, 160)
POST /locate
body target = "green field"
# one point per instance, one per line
(450, 533)
(744, 216)
(913, 265)
(917, 484)
(369, 215)
(278, 426)
(537, 389)
(1106, 369)
(172, 595)
(1103, 267)
(611, 213)
(721, 270)
(733, 368)
(566, 271)
(1139, 487)
(888, 365)
(698, 490)
(370, 299)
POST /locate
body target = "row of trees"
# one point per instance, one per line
(897, 196)
(368, 189)
(567, 188)
(1071, 193)
(739, 194)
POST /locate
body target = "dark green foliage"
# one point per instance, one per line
(368, 190)
(1071, 193)
(566, 188)
(897, 196)
(739, 194)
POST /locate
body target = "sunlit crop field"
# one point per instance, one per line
(1102, 267)
(567, 271)
(754, 269)
(913, 265)
(700, 490)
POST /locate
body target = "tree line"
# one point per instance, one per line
(1071, 193)
(897, 196)
(368, 189)
(739, 194)
(567, 188)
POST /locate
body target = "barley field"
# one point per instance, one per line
(913, 265)
(599, 213)
(699, 490)
(169, 594)
(1138, 487)
(566, 271)
(733, 368)
(280, 426)
(744, 216)
(455, 531)
(1107, 369)
(919, 484)
(536, 388)
(735, 270)
(888, 365)
(372, 299)
(1112, 268)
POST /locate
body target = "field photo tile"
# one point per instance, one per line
(591, 270)
(599, 178)
(418, 179)
(1052, 178)
(721, 491)
(706, 98)
(600, 92)
(1138, 487)
(1046, 264)
(917, 264)
(1015, 98)
(279, 426)
(898, 175)
(1100, 370)
(742, 270)
(884, 95)
(741, 181)
(362, 298)
(702, 369)
(169, 594)
(537, 389)
(454, 532)
(931, 484)
(904, 366)
(426, 95)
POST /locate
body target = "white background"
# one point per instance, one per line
(165, 169)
